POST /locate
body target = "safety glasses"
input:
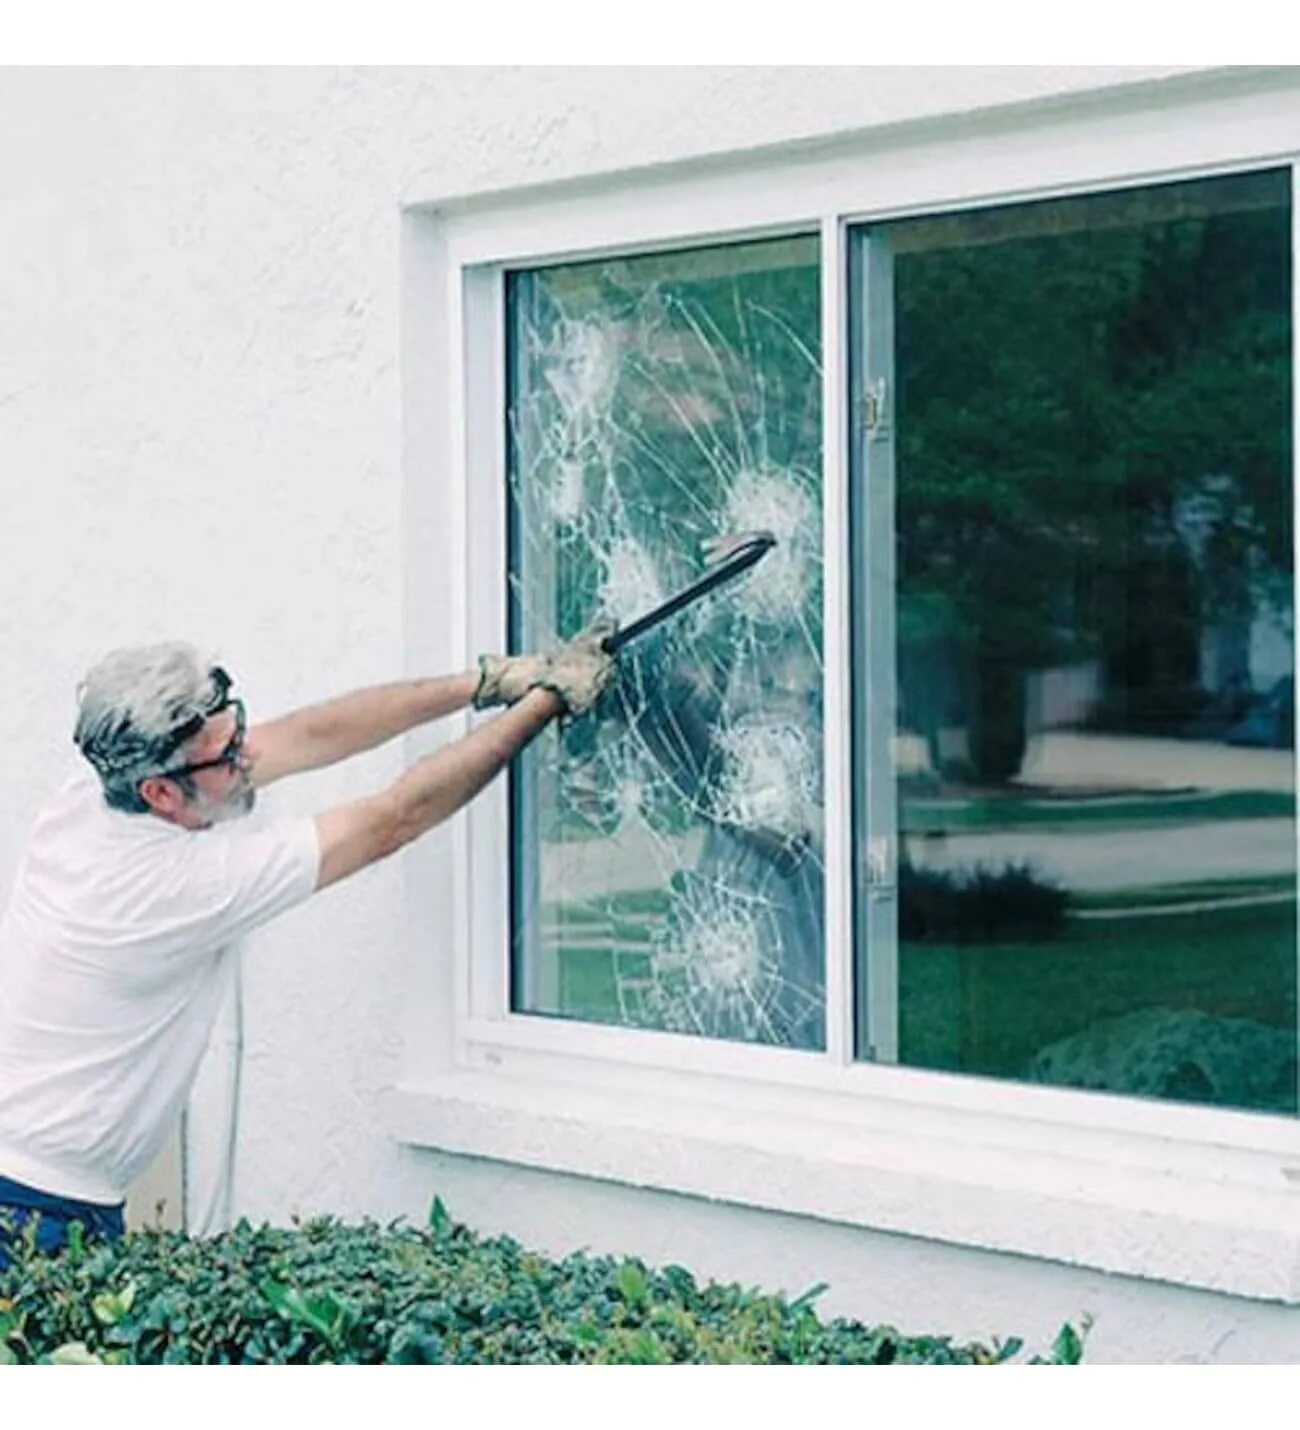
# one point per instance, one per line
(228, 757)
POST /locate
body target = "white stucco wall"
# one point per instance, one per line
(200, 437)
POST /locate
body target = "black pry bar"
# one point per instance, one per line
(750, 551)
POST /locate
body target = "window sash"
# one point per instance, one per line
(871, 526)
(543, 423)
(873, 531)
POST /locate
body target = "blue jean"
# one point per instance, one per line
(54, 1216)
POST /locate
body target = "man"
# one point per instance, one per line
(138, 876)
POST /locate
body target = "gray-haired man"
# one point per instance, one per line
(114, 947)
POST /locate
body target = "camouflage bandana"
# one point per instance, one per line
(126, 749)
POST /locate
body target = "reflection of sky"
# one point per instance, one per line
(1272, 653)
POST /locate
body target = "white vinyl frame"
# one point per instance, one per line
(1196, 1196)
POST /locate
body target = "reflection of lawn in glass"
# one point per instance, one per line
(586, 932)
(989, 1008)
(921, 815)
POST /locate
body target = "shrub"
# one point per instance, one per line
(324, 1291)
(978, 905)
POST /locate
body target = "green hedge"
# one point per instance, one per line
(328, 1292)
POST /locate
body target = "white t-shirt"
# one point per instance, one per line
(114, 956)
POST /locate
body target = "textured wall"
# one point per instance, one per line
(199, 436)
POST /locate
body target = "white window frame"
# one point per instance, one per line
(1193, 1195)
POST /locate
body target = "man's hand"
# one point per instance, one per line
(580, 670)
(577, 672)
(503, 679)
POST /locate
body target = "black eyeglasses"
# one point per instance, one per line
(229, 755)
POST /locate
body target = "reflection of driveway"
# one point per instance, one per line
(1119, 859)
(1134, 762)
(1083, 859)
(631, 859)
(1069, 760)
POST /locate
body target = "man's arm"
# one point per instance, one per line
(319, 735)
(357, 834)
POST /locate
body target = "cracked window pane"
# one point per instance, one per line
(667, 856)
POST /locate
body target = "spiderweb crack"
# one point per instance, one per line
(657, 402)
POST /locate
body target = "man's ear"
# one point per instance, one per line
(162, 796)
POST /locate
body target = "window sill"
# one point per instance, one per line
(1211, 1233)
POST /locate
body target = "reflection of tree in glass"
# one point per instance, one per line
(1065, 397)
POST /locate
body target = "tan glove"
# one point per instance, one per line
(503, 679)
(580, 670)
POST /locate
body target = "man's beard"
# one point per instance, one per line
(238, 801)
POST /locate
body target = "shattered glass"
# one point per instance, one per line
(667, 853)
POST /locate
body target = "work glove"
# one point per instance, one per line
(503, 679)
(580, 670)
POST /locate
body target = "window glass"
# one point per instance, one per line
(667, 857)
(1093, 744)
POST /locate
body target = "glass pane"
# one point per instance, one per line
(667, 856)
(1094, 751)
